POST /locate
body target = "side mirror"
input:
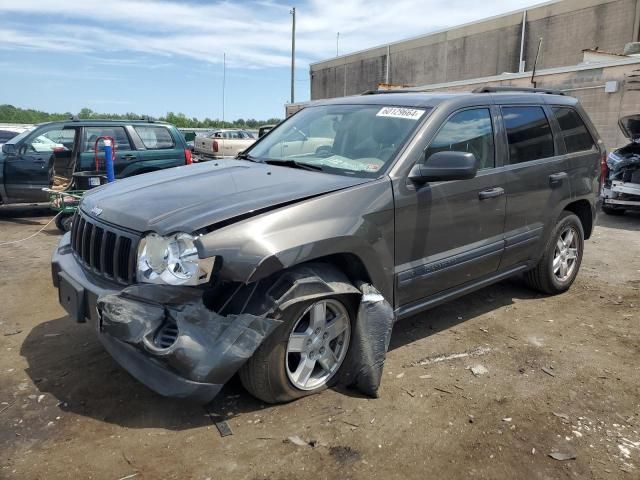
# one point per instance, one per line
(9, 149)
(445, 166)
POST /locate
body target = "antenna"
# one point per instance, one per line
(535, 64)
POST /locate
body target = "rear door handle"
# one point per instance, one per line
(557, 178)
(491, 193)
(128, 156)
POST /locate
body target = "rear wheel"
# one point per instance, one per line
(561, 261)
(304, 355)
(612, 210)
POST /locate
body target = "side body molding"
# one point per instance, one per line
(357, 221)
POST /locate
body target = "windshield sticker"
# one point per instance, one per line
(400, 112)
(371, 167)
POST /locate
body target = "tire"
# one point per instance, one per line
(269, 374)
(63, 222)
(616, 211)
(544, 277)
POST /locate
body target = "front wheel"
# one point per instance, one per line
(304, 355)
(562, 257)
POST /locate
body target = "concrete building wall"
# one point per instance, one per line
(485, 48)
(587, 85)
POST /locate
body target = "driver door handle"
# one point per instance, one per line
(491, 193)
(557, 178)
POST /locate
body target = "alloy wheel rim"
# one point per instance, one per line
(318, 344)
(565, 257)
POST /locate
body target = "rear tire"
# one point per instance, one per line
(560, 263)
(616, 211)
(299, 348)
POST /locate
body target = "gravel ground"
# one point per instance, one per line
(555, 375)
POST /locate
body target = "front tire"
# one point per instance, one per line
(562, 257)
(304, 355)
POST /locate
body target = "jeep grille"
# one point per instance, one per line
(104, 250)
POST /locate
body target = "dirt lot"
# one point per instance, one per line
(563, 376)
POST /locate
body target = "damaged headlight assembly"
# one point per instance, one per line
(172, 260)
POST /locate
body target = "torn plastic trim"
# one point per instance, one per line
(370, 341)
(208, 349)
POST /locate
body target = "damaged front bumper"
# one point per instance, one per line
(163, 336)
(169, 340)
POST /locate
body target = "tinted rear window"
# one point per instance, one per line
(528, 134)
(155, 138)
(576, 136)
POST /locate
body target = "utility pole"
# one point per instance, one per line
(224, 81)
(293, 53)
(337, 40)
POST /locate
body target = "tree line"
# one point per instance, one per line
(11, 114)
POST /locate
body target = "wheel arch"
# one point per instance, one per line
(351, 264)
(584, 211)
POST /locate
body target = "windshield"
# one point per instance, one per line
(358, 140)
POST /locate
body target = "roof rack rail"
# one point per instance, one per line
(380, 92)
(488, 89)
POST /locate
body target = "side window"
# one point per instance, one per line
(467, 131)
(91, 134)
(52, 141)
(155, 138)
(576, 136)
(528, 134)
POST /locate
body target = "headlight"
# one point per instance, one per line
(172, 260)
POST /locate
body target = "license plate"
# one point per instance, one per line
(94, 181)
(71, 297)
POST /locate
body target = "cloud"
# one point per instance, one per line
(253, 34)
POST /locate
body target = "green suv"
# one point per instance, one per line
(49, 154)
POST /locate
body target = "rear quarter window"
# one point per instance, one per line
(528, 134)
(575, 133)
(155, 138)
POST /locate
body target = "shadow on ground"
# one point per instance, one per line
(629, 221)
(66, 360)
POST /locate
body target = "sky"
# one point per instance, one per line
(153, 57)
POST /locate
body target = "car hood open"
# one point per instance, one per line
(189, 198)
(630, 126)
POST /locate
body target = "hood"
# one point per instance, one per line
(188, 198)
(630, 126)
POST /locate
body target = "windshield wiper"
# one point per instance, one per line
(295, 164)
(246, 156)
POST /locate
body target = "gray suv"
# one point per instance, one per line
(290, 263)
